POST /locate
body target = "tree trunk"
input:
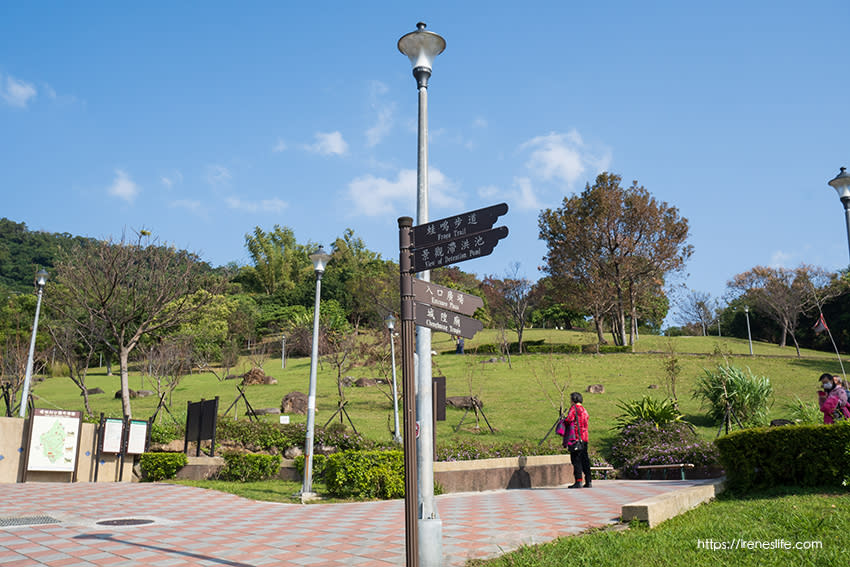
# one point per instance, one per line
(598, 322)
(124, 356)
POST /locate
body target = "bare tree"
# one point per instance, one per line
(783, 294)
(129, 290)
(510, 300)
(76, 350)
(696, 307)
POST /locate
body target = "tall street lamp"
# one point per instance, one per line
(422, 47)
(749, 336)
(390, 321)
(40, 281)
(841, 183)
(320, 260)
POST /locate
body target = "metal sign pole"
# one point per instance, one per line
(408, 332)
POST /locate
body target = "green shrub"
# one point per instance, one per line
(749, 396)
(611, 349)
(804, 413)
(261, 435)
(365, 474)
(471, 449)
(164, 433)
(249, 467)
(161, 466)
(645, 443)
(649, 409)
(319, 461)
(799, 455)
(560, 348)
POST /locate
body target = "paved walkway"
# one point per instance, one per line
(193, 527)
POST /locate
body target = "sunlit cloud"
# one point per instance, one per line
(123, 187)
(374, 196)
(16, 92)
(564, 157)
(218, 175)
(262, 206)
(280, 146)
(327, 144)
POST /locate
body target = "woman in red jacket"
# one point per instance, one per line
(576, 440)
(833, 399)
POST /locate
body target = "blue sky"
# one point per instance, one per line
(202, 120)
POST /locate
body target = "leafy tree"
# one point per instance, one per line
(277, 260)
(612, 247)
(124, 291)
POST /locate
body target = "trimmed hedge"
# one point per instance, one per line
(249, 467)
(365, 474)
(161, 466)
(799, 455)
(538, 347)
(319, 461)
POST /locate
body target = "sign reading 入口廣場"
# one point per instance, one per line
(446, 298)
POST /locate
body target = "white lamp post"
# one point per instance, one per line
(390, 321)
(422, 47)
(320, 260)
(282, 351)
(841, 183)
(749, 336)
(40, 281)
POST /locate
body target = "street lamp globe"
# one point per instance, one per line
(320, 260)
(421, 47)
(41, 278)
(841, 183)
(390, 321)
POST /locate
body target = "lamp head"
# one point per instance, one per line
(390, 321)
(320, 260)
(841, 183)
(41, 277)
(421, 47)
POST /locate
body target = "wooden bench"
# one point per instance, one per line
(605, 471)
(680, 466)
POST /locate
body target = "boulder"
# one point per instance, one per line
(269, 381)
(463, 402)
(292, 452)
(596, 389)
(294, 402)
(131, 392)
(144, 393)
(780, 422)
(653, 386)
(267, 411)
(256, 376)
(364, 382)
(93, 391)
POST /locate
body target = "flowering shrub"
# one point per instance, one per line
(645, 443)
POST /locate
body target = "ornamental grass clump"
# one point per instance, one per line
(732, 394)
(646, 443)
(659, 412)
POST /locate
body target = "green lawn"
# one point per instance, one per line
(518, 398)
(696, 538)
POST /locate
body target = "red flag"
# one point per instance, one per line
(820, 326)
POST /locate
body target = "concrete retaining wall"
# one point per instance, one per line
(656, 509)
(13, 442)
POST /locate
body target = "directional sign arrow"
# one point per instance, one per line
(446, 298)
(457, 250)
(458, 225)
(438, 319)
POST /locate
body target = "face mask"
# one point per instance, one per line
(827, 386)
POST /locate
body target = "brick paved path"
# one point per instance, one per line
(193, 527)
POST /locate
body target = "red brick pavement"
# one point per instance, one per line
(195, 527)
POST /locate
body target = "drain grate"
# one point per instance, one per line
(27, 521)
(124, 522)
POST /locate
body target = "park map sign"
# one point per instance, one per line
(54, 438)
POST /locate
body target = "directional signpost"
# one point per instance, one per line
(431, 245)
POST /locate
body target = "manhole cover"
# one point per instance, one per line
(27, 521)
(124, 522)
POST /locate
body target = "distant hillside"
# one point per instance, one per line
(23, 252)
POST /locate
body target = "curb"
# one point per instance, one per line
(657, 509)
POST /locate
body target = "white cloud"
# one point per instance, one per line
(123, 187)
(172, 179)
(374, 196)
(280, 146)
(522, 196)
(330, 143)
(780, 259)
(17, 93)
(266, 205)
(564, 157)
(218, 174)
(479, 122)
(385, 113)
(192, 205)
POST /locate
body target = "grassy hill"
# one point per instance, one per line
(520, 398)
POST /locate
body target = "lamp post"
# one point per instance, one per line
(841, 183)
(390, 321)
(422, 47)
(320, 260)
(282, 351)
(40, 281)
(749, 336)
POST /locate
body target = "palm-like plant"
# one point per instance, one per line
(731, 393)
(648, 409)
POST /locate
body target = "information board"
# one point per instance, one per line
(113, 435)
(53, 442)
(137, 437)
